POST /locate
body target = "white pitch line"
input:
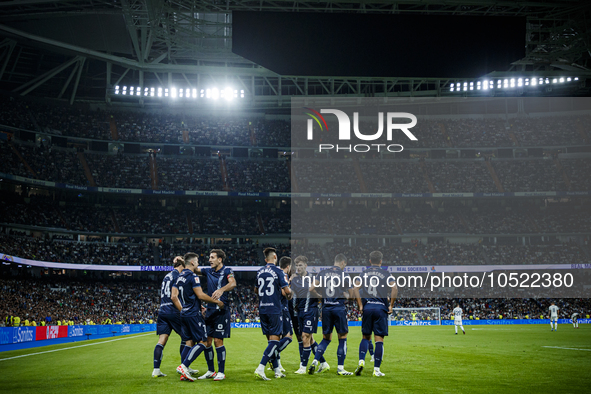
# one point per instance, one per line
(567, 348)
(73, 347)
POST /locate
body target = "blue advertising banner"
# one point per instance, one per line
(23, 334)
(75, 331)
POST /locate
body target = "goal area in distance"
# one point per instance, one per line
(416, 314)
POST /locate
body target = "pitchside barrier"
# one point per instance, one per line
(12, 335)
(443, 322)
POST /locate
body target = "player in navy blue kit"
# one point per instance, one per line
(169, 318)
(334, 311)
(306, 306)
(271, 285)
(378, 293)
(220, 280)
(287, 334)
(187, 296)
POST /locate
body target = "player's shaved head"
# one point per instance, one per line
(340, 259)
(190, 257)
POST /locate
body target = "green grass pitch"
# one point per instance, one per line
(416, 359)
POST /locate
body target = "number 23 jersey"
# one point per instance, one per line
(270, 281)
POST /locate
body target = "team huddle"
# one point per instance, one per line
(288, 304)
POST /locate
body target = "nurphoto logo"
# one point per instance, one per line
(344, 132)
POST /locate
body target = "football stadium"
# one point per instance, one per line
(295, 196)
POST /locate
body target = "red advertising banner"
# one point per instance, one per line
(51, 332)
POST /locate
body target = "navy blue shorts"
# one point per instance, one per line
(308, 321)
(272, 324)
(334, 319)
(287, 329)
(295, 324)
(167, 323)
(218, 323)
(193, 328)
(375, 321)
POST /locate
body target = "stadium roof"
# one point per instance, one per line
(80, 50)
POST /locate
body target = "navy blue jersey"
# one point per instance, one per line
(166, 305)
(375, 297)
(284, 300)
(303, 300)
(215, 281)
(333, 297)
(186, 282)
(270, 281)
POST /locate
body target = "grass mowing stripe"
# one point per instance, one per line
(72, 347)
(566, 348)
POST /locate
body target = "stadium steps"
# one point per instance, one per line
(464, 222)
(260, 222)
(359, 175)
(224, 171)
(494, 176)
(426, 176)
(562, 172)
(294, 182)
(113, 129)
(260, 254)
(533, 223)
(189, 223)
(327, 258)
(62, 218)
(153, 172)
(581, 129)
(485, 256)
(22, 159)
(156, 254)
(398, 226)
(114, 219)
(446, 136)
(86, 168)
(513, 138)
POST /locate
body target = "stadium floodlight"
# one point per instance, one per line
(235, 93)
(215, 93)
(568, 79)
(512, 82)
(485, 85)
(202, 93)
(465, 86)
(194, 93)
(534, 82)
(159, 92)
(152, 92)
(131, 89)
(208, 93)
(576, 78)
(561, 80)
(451, 87)
(228, 94)
(499, 82)
(471, 85)
(117, 89)
(138, 91)
(520, 82)
(146, 91)
(165, 92)
(180, 92)
(242, 93)
(173, 92)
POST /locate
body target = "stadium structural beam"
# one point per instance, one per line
(81, 62)
(45, 77)
(67, 83)
(10, 44)
(133, 64)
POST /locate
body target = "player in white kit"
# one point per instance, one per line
(575, 318)
(457, 313)
(553, 317)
